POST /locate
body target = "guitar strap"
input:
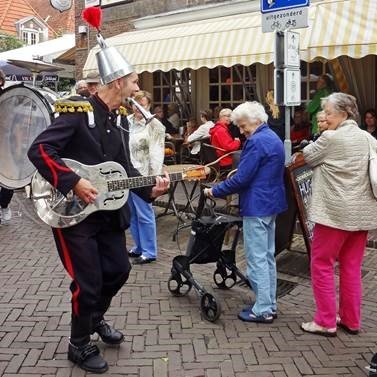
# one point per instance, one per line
(125, 136)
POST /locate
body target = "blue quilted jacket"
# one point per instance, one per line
(259, 180)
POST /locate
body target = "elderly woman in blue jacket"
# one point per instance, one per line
(259, 181)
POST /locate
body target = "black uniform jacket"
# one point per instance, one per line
(71, 136)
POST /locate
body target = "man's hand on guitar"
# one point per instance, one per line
(85, 191)
(162, 185)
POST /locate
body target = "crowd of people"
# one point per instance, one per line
(94, 251)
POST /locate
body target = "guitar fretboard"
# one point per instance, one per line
(141, 181)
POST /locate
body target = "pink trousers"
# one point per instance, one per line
(331, 245)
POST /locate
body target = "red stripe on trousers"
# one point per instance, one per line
(69, 267)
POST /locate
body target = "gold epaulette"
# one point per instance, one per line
(65, 106)
(123, 111)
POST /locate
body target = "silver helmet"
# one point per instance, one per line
(111, 64)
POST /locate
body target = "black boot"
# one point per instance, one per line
(108, 334)
(373, 366)
(87, 357)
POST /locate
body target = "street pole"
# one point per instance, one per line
(287, 141)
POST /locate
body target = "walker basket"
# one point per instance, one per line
(206, 239)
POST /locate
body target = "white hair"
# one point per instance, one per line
(79, 84)
(250, 111)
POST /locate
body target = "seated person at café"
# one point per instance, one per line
(173, 115)
(191, 126)
(222, 140)
(201, 132)
(369, 122)
(160, 115)
(300, 129)
(321, 123)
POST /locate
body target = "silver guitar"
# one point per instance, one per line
(111, 181)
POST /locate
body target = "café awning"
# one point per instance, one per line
(346, 27)
(336, 27)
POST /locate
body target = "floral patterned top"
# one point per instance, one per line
(147, 143)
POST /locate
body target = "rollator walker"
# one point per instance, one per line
(205, 245)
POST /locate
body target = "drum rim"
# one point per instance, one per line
(20, 183)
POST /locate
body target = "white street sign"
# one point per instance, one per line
(292, 49)
(92, 3)
(292, 87)
(296, 18)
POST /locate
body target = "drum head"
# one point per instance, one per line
(25, 113)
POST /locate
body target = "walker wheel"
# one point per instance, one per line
(209, 307)
(177, 286)
(222, 279)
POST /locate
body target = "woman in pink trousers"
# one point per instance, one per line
(343, 209)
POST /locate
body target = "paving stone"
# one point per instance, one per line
(165, 335)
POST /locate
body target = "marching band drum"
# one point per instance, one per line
(25, 112)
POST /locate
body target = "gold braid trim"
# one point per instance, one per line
(123, 111)
(73, 106)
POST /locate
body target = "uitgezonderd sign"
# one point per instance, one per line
(280, 15)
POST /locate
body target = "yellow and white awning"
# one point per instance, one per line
(336, 27)
(343, 27)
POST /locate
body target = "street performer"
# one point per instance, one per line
(93, 252)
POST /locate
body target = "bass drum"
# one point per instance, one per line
(25, 112)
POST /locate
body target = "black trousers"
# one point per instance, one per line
(94, 254)
(5, 197)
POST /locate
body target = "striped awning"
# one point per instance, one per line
(336, 27)
(344, 27)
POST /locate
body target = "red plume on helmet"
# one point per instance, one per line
(111, 64)
(93, 16)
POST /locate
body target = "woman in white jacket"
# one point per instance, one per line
(147, 155)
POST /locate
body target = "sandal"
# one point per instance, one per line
(313, 328)
(347, 329)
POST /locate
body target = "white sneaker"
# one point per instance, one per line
(6, 215)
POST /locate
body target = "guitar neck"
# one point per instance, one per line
(140, 181)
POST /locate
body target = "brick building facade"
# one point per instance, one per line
(119, 18)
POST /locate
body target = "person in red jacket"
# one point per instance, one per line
(222, 139)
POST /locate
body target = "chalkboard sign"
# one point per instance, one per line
(300, 175)
(286, 221)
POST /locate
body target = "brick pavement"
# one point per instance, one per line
(165, 335)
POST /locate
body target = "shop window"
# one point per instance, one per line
(229, 87)
(173, 86)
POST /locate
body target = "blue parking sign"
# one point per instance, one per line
(268, 6)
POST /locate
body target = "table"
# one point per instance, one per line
(188, 206)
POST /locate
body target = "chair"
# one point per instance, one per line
(170, 157)
(186, 157)
(207, 156)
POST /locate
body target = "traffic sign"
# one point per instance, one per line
(287, 87)
(287, 49)
(292, 49)
(268, 6)
(292, 87)
(296, 18)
